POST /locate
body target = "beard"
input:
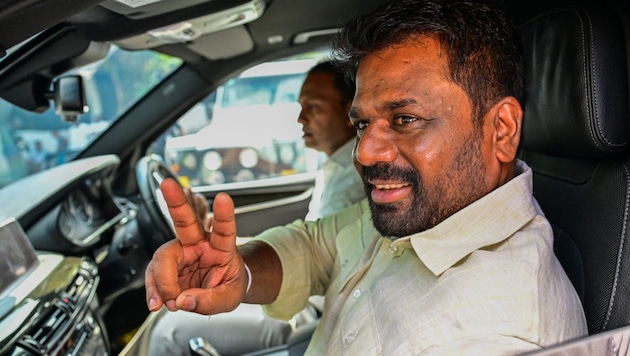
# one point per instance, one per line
(431, 202)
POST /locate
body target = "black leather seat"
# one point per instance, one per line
(576, 137)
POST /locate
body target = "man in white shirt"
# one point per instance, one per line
(450, 254)
(325, 97)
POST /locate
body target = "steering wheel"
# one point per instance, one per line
(154, 220)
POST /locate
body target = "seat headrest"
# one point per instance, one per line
(577, 100)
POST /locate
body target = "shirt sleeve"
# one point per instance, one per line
(307, 251)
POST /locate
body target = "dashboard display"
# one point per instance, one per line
(87, 211)
(80, 207)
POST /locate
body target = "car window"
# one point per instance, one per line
(31, 142)
(246, 130)
(267, 90)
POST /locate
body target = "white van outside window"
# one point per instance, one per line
(260, 108)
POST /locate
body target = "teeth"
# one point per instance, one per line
(390, 186)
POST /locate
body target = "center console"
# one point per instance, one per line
(47, 301)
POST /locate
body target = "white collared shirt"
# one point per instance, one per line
(337, 185)
(484, 281)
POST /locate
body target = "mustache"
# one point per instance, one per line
(385, 171)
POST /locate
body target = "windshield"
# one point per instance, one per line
(31, 142)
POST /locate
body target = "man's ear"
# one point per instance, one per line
(508, 121)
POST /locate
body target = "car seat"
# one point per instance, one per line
(575, 137)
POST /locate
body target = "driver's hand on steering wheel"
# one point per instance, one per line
(199, 271)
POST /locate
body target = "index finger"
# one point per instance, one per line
(188, 228)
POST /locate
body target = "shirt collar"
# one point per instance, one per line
(343, 155)
(487, 221)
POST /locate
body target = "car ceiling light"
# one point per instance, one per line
(275, 39)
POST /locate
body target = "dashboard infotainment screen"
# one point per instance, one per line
(17, 256)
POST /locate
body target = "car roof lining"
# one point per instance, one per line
(250, 43)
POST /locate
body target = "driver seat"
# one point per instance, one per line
(575, 137)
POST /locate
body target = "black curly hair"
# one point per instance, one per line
(480, 40)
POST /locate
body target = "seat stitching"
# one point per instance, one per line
(593, 73)
(620, 253)
(585, 70)
(593, 81)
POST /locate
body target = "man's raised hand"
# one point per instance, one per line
(199, 271)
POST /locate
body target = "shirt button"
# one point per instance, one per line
(357, 293)
(393, 249)
(349, 338)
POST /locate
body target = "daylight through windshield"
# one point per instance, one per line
(32, 142)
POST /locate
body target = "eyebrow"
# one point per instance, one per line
(387, 106)
(397, 104)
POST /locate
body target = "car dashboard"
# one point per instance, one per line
(86, 213)
(71, 210)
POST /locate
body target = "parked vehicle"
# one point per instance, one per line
(261, 101)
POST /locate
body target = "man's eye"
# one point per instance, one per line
(401, 120)
(360, 125)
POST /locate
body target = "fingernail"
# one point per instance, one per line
(170, 304)
(153, 304)
(189, 304)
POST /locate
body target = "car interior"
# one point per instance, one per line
(576, 142)
(575, 137)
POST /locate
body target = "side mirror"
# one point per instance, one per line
(68, 95)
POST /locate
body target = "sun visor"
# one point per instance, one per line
(193, 29)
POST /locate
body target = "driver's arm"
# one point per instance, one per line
(266, 272)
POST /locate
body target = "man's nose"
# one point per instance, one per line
(301, 119)
(376, 144)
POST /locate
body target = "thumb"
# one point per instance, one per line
(224, 297)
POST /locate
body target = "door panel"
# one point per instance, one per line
(266, 203)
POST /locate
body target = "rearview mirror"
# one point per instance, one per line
(68, 94)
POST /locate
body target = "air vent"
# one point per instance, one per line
(50, 333)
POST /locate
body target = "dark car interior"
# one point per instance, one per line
(575, 137)
(576, 131)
